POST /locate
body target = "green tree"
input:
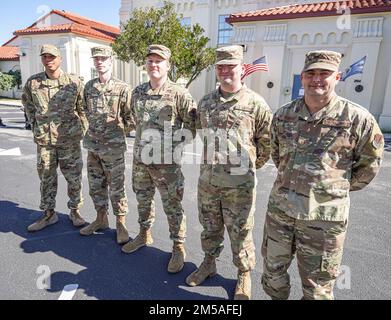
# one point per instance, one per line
(7, 81)
(17, 75)
(190, 54)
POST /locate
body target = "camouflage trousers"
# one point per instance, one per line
(70, 160)
(318, 246)
(234, 209)
(106, 179)
(169, 180)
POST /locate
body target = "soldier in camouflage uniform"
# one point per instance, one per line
(323, 146)
(163, 107)
(107, 105)
(227, 189)
(53, 101)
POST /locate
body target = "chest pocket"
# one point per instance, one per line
(218, 116)
(159, 112)
(287, 133)
(103, 104)
(65, 98)
(241, 118)
(166, 115)
(40, 100)
(336, 138)
(113, 103)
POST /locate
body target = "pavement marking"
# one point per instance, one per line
(6, 111)
(7, 120)
(10, 152)
(68, 292)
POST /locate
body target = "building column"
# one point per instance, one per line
(274, 44)
(367, 37)
(364, 47)
(26, 59)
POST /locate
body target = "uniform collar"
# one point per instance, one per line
(326, 112)
(107, 87)
(236, 97)
(161, 91)
(49, 82)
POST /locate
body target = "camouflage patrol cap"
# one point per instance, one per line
(101, 52)
(322, 59)
(229, 55)
(160, 50)
(50, 49)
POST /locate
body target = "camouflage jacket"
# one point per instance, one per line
(245, 120)
(55, 109)
(321, 157)
(108, 112)
(171, 108)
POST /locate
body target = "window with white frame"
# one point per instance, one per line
(225, 30)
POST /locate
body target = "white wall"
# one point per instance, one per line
(285, 43)
(81, 49)
(75, 51)
(31, 45)
(6, 66)
(51, 20)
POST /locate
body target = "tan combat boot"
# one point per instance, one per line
(122, 232)
(76, 218)
(50, 217)
(144, 238)
(207, 269)
(178, 257)
(243, 286)
(101, 223)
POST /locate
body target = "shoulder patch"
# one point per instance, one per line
(377, 141)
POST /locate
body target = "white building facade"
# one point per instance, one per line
(210, 14)
(72, 34)
(283, 31)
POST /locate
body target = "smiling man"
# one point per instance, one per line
(227, 185)
(163, 108)
(53, 102)
(323, 147)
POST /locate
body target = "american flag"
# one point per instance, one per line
(259, 64)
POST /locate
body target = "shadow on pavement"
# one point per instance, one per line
(109, 274)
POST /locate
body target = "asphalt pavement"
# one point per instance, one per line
(58, 263)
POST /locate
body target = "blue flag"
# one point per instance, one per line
(355, 68)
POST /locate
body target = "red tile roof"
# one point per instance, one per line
(79, 25)
(329, 8)
(67, 28)
(102, 27)
(9, 53)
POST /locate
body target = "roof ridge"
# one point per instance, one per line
(324, 8)
(76, 18)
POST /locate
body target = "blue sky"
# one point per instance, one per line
(19, 14)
